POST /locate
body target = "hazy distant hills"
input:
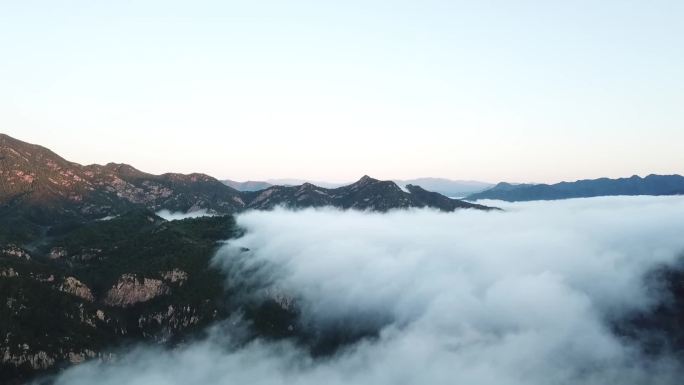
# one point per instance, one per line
(297, 182)
(248, 185)
(251, 185)
(447, 187)
(635, 185)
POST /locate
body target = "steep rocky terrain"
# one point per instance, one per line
(93, 287)
(33, 176)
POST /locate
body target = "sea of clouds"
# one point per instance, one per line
(522, 296)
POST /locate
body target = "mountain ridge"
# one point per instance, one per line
(444, 186)
(651, 184)
(34, 176)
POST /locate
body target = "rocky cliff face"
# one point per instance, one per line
(58, 307)
(75, 287)
(15, 251)
(130, 290)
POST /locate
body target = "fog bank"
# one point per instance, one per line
(523, 296)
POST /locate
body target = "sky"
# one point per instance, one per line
(518, 91)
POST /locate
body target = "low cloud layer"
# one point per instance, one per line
(177, 215)
(523, 296)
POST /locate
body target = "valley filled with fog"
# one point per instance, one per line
(527, 295)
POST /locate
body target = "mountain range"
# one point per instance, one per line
(447, 187)
(35, 176)
(635, 185)
(38, 188)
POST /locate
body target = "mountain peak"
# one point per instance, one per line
(366, 179)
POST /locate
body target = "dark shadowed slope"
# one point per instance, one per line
(436, 199)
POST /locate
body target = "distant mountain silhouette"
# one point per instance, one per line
(448, 187)
(298, 182)
(635, 185)
(249, 185)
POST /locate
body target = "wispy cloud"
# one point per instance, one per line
(176, 215)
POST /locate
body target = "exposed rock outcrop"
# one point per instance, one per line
(23, 355)
(174, 318)
(57, 253)
(130, 290)
(176, 276)
(77, 358)
(87, 254)
(8, 272)
(16, 252)
(73, 286)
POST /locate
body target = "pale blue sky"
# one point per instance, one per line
(488, 90)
